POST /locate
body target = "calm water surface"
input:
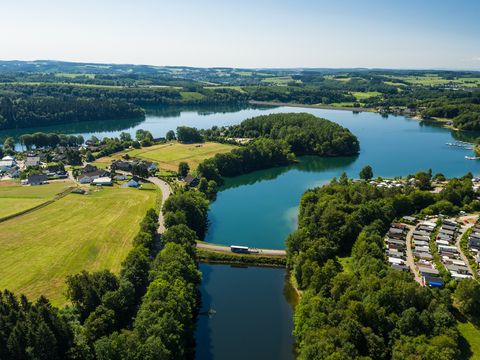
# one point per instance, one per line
(253, 318)
(267, 201)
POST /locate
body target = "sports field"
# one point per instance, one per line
(15, 198)
(169, 155)
(78, 232)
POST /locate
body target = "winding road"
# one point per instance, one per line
(410, 257)
(166, 192)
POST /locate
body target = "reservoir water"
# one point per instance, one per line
(252, 317)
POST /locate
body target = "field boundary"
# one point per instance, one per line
(39, 206)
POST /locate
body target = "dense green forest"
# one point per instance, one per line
(277, 140)
(369, 310)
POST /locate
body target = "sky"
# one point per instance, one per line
(420, 34)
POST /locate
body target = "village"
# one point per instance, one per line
(431, 249)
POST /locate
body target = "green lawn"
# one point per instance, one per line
(279, 80)
(190, 95)
(78, 232)
(472, 335)
(362, 95)
(15, 198)
(169, 155)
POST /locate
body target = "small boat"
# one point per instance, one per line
(471, 157)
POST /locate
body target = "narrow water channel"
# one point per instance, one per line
(251, 314)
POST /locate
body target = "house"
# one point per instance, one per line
(37, 179)
(121, 165)
(150, 166)
(7, 163)
(134, 184)
(89, 168)
(102, 181)
(32, 161)
(473, 243)
(433, 281)
(13, 172)
(87, 178)
(191, 180)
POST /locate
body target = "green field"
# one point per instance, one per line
(191, 95)
(15, 198)
(78, 232)
(169, 155)
(472, 335)
(237, 88)
(279, 80)
(362, 95)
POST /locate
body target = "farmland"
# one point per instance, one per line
(96, 232)
(169, 155)
(15, 198)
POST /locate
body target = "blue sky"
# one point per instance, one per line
(248, 33)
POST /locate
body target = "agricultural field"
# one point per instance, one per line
(96, 232)
(434, 79)
(191, 95)
(169, 155)
(15, 198)
(279, 80)
(237, 88)
(362, 95)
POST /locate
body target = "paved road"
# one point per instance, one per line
(166, 192)
(410, 258)
(471, 221)
(222, 248)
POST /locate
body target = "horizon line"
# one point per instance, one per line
(249, 68)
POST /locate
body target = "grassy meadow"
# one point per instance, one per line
(78, 232)
(169, 155)
(15, 198)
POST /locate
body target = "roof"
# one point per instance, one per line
(96, 173)
(37, 178)
(102, 180)
(133, 183)
(189, 179)
(7, 158)
(32, 160)
(433, 281)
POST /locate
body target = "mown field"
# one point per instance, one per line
(78, 232)
(15, 198)
(169, 155)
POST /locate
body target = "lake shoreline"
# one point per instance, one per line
(315, 106)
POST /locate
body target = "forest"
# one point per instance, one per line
(369, 310)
